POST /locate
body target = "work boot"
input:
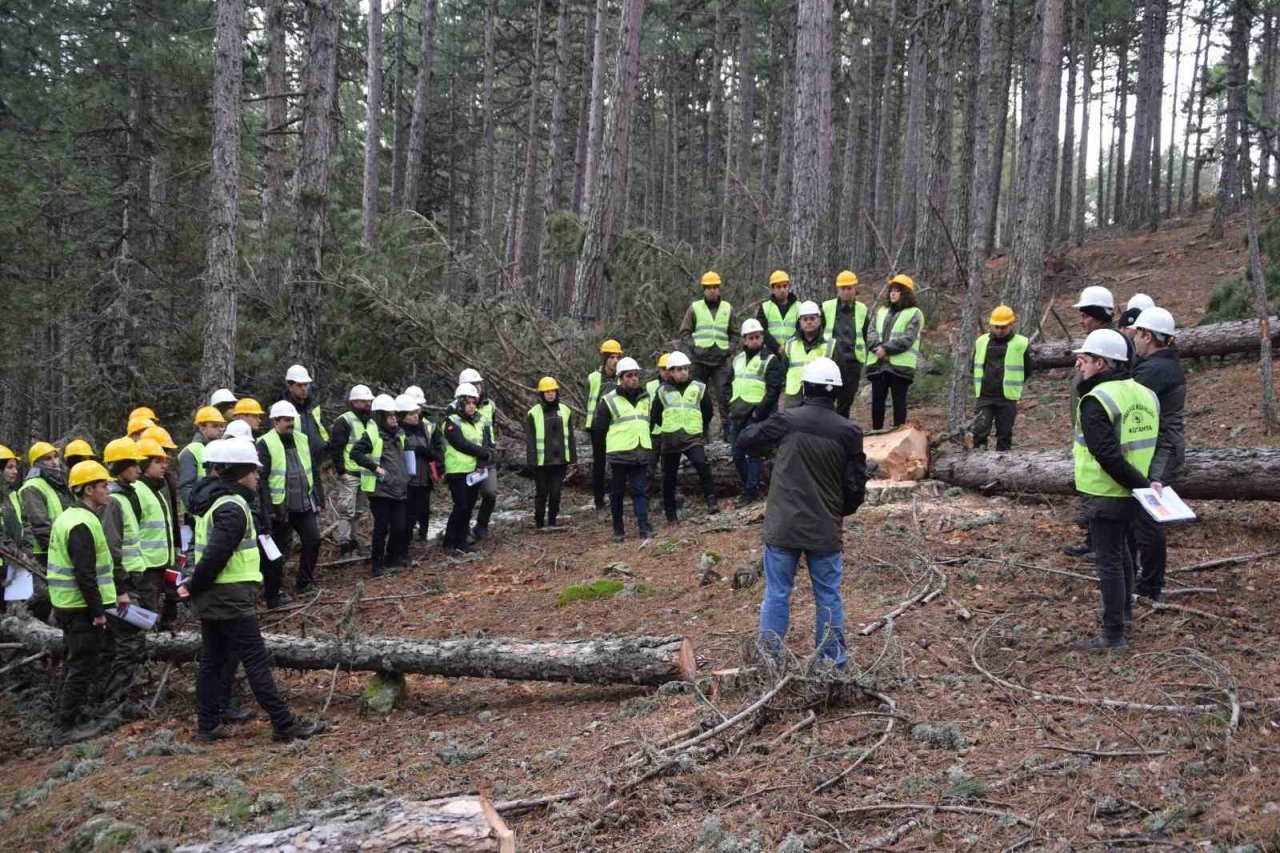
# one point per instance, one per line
(346, 549)
(221, 732)
(300, 729)
(1102, 644)
(1076, 550)
(233, 716)
(479, 534)
(672, 518)
(617, 534)
(280, 603)
(646, 532)
(713, 507)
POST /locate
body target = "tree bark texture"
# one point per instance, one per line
(524, 214)
(595, 111)
(812, 122)
(274, 263)
(1237, 60)
(1062, 221)
(488, 154)
(1235, 336)
(1080, 194)
(421, 98)
(552, 195)
(372, 124)
(398, 136)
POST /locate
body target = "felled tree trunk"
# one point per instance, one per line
(1250, 473)
(611, 660)
(1194, 342)
(448, 825)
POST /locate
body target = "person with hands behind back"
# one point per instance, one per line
(466, 452)
(385, 479)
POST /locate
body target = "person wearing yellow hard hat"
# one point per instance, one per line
(550, 448)
(663, 375)
(44, 496)
(145, 412)
(845, 319)
(137, 426)
(210, 425)
(1000, 367)
(77, 450)
(600, 382)
(10, 507)
(778, 314)
(893, 350)
(709, 335)
(250, 411)
(120, 524)
(157, 528)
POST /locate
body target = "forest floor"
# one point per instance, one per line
(974, 760)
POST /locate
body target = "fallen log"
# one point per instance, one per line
(453, 825)
(1193, 342)
(610, 660)
(1212, 473)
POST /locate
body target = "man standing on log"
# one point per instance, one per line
(708, 332)
(599, 383)
(1159, 368)
(819, 476)
(1117, 425)
(999, 370)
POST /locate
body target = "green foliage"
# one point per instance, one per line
(1233, 299)
(933, 374)
(600, 589)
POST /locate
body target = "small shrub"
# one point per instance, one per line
(944, 736)
(601, 588)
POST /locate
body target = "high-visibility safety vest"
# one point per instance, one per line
(1014, 365)
(781, 326)
(130, 539)
(51, 499)
(369, 479)
(711, 330)
(908, 358)
(155, 528)
(319, 419)
(540, 431)
(355, 432)
(276, 476)
(594, 380)
(196, 449)
(16, 503)
(629, 424)
(682, 410)
(245, 563)
(798, 358)
(1134, 412)
(455, 461)
(748, 376)
(859, 323)
(64, 594)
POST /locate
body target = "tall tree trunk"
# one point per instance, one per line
(1101, 185)
(1004, 95)
(1188, 122)
(1067, 174)
(421, 98)
(746, 62)
(524, 216)
(1082, 158)
(552, 196)
(882, 208)
(810, 186)
(274, 262)
(960, 194)
(1204, 97)
(397, 107)
(931, 211)
(372, 123)
(1266, 131)
(1173, 123)
(488, 155)
(1143, 166)
(712, 176)
(1237, 59)
(1121, 122)
(218, 364)
(1156, 114)
(904, 225)
(595, 116)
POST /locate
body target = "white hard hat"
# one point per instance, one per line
(406, 403)
(808, 308)
(282, 409)
(416, 393)
(297, 373)
(360, 392)
(222, 395)
(239, 429)
(465, 389)
(384, 403)
(628, 364)
(822, 371)
(751, 325)
(1096, 296)
(675, 359)
(469, 375)
(1155, 320)
(1140, 301)
(231, 451)
(1106, 343)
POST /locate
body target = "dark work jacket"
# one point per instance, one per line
(264, 457)
(306, 422)
(1162, 373)
(770, 342)
(819, 474)
(775, 378)
(1100, 434)
(340, 436)
(553, 439)
(226, 530)
(10, 524)
(604, 418)
(679, 442)
(845, 332)
(993, 367)
(394, 483)
(417, 443)
(84, 564)
(37, 519)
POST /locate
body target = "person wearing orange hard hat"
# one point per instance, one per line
(999, 371)
(600, 382)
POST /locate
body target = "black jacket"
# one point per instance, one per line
(84, 564)
(417, 442)
(770, 342)
(819, 474)
(264, 457)
(459, 442)
(775, 379)
(226, 532)
(604, 418)
(553, 438)
(339, 437)
(678, 442)
(1162, 373)
(308, 424)
(394, 483)
(1100, 434)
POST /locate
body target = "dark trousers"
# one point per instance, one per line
(1000, 412)
(548, 482)
(750, 471)
(390, 535)
(124, 648)
(155, 593)
(1150, 549)
(635, 478)
(671, 469)
(717, 379)
(598, 468)
(850, 376)
(417, 512)
(306, 524)
(83, 641)
(882, 385)
(1115, 569)
(224, 643)
(272, 577)
(464, 500)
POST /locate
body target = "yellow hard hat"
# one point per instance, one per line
(6, 454)
(149, 447)
(662, 360)
(144, 412)
(779, 277)
(162, 437)
(208, 415)
(846, 278)
(611, 347)
(138, 425)
(711, 278)
(122, 450)
(1002, 316)
(546, 383)
(248, 406)
(84, 473)
(39, 450)
(78, 447)
(904, 280)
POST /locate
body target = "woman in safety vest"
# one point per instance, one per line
(893, 350)
(550, 448)
(385, 479)
(466, 453)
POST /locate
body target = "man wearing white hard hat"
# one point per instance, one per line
(466, 450)
(487, 412)
(621, 424)
(349, 501)
(807, 344)
(1117, 425)
(819, 476)
(297, 390)
(1159, 368)
(755, 383)
(680, 417)
(384, 479)
(1139, 303)
(224, 401)
(292, 497)
(426, 468)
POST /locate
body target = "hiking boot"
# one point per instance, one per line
(480, 534)
(300, 729)
(672, 518)
(234, 716)
(280, 603)
(346, 549)
(713, 506)
(221, 732)
(1102, 644)
(463, 550)
(745, 500)
(618, 536)
(1076, 550)
(646, 532)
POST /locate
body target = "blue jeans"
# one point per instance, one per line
(749, 470)
(633, 478)
(825, 572)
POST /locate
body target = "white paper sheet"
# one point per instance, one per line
(477, 475)
(18, 584)
(1164, 507)
(269, 549)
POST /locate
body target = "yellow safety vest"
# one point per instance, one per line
(859, 323)
(711, 330)
(276, 476)
(1014, 366)
(629, 425)
(64, 594)
(798, 358)
(155, 528)
(131, 557)
(455, 461)
(540, 431)
(1134, 411)
(594, 380)
(681, 410)
(781, 326)
(355, 431)
(369, 479)
(748, 376)
(245, 563)
(908, 358)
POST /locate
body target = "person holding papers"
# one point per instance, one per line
(466, 453)
(379, 453)
(1117, 423)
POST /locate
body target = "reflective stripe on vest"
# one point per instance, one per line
(277, 475)
(245, 563)
(130, 539)
(52, 501)
(711, 330)
(682, 410)
(1134, 412)
(486, 415)
(859, 322)
(798, 357)
(355, 431)
(155, 528)
(455, 461)
(64, 594)
(369, 479)
(540, 431)
(748, 377)
(16, 502)
(781, 326)
(319, 419)
(629, 424)
(1014, 366)
(594, 378)
(908, 358)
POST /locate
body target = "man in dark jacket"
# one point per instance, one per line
(466, 450)
(293, 495)
(709, 333)
(621, 424)
(417, 442)
(345, 431)
(297, 390)
(385, 479)
(1159, 368)
(778, 314)
(680, 417)
(756, 383)
(550, 448)
(819, 476)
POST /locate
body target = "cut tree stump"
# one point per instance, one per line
(1237, 336)
(902, 454)
(607, 660)
(450, 825)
